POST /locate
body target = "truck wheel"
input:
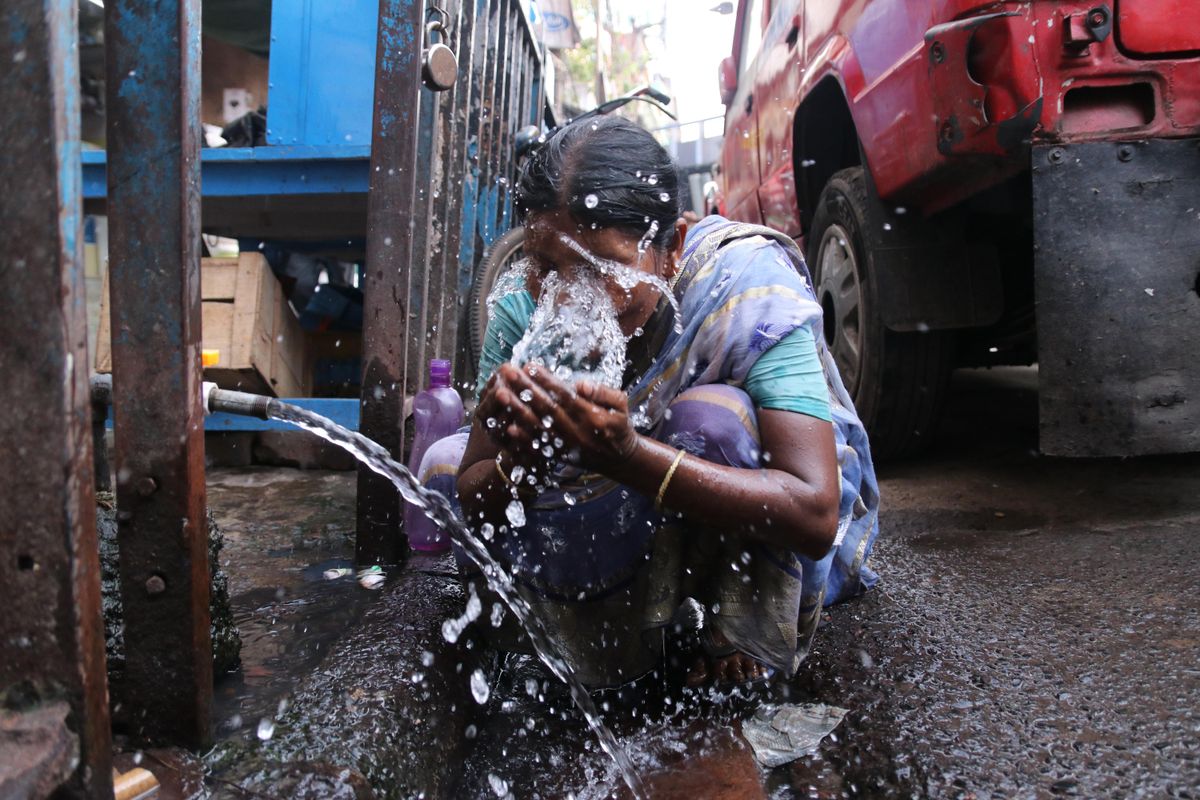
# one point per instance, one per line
(500, 256)
(897, 380)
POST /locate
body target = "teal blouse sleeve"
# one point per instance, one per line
(789, 377)
(510, 319)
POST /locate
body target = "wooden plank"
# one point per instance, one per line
(104, 333)
(218, 279)
(245, 311)
(217, 324)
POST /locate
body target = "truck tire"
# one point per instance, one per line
(499, 257)
(897, 380)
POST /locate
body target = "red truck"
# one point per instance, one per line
(979, 183)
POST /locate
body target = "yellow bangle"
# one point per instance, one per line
(509, 481)
(662, 489)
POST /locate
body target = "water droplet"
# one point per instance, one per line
(664, 197)
(652, 180)
(479, 687)
(591, 201)
(547, 421)
(887, 226)
(569, 498)
(266, 728)
(518, 472)
(497, 614)
(531, 687)
(427, 658)
(515, 513)
(526, 395)
(498, 784)
(491, 422)
(487, 531)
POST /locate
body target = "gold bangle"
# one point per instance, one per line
(662, 489)
(509, 481)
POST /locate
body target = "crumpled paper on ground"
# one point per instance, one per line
(782, 733)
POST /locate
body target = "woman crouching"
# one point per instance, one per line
(721, 460)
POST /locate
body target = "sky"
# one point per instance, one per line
(694, 40)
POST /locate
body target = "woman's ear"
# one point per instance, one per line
(681, 229)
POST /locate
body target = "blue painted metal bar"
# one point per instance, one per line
(391, 223)
(342, 410)
(153, 119)
(51, 631)
(255, 171)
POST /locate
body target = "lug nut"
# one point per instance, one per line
(1056, 155)
(1125, 152)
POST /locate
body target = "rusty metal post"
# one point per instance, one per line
(153, 85)
(53, 692)
(448, 198)
(390, 232)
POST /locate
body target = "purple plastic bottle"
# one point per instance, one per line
(437, 413)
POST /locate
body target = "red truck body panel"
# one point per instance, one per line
(947, 95)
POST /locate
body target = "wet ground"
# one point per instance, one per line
(283, 528)
(1036, 634)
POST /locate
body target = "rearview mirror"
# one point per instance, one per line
(727, 80)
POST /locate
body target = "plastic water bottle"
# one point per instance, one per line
(437, 413)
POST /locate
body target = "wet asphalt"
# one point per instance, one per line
(1036, 634)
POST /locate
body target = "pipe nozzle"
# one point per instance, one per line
(231, 402)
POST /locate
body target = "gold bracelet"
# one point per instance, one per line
(509, 481)
(662, 490)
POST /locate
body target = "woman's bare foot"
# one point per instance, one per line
(734, 667)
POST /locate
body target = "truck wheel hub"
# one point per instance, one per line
(839, 291)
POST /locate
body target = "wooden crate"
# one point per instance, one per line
(247, 319)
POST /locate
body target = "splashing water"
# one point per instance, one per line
(574, 331)
(644, 244)
(437, 508)
(508, 282)
(625, 276)
(479, 687)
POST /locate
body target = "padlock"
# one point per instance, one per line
(439, 68)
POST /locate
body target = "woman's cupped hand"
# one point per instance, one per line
(590, 419)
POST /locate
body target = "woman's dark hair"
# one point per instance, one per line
(604, 170)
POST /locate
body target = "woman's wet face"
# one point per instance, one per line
(553, 241)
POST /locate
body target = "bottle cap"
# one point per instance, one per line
(439, 372)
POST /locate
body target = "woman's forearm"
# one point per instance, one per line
(770, 505)
(482, 492)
